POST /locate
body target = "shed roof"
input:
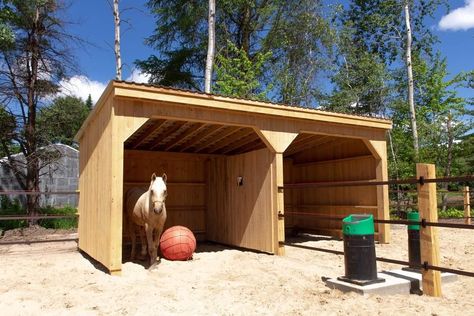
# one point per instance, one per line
(152, 92)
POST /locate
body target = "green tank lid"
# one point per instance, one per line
(358, 224)
(415, 217)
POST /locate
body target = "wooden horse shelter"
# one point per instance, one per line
(227, 161)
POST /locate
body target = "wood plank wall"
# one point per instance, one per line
(186, 201)
(342, 161)
(242, 215)
(94, 184)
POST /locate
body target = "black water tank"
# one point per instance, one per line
(414, 255)
(359, 250)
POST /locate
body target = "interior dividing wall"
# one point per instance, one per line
(186, 201)
(341, 160)
(241, 215)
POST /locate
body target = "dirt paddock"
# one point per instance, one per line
(55, 279)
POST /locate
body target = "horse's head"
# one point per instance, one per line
(158, 193)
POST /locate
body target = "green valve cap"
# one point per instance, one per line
(415, 217)
(358, 224)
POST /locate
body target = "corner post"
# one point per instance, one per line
(429, 247)
(467, 206)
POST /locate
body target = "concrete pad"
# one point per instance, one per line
(396, 282)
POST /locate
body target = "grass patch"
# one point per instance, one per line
(14, 208)
(59, 223)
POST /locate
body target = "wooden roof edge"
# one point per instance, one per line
(380, 123)
(103, 98)
(356, 119)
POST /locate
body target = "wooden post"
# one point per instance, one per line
(429, 246)
(467, 206)
(280, 205)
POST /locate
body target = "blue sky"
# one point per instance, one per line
(93, 21)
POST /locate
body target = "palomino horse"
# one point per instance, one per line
(146, 212)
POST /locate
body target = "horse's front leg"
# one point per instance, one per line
(150, 242)
(131, 232)
(156, 238)
(143, 243)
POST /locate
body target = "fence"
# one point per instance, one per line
(37, 216)
(427, 206)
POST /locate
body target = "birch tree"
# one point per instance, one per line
(410, 94)
(118, 58)
(211, 46)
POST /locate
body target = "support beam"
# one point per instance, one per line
(429, 246)
(378, 148)
(279, 142)
(280, 205)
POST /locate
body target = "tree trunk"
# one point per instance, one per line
(32, 164)
(397, 175)
(118, 58)
(447, 171)
(211, 46)
(411, 100)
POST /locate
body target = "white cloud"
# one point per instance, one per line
(138, 77)
(459, 19)
(81, 86)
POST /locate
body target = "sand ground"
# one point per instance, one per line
(55, 279)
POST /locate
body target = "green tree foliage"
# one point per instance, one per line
(301, 42)
(89, 103)
(297, 35)
(360, 80)
(379, 26)
(237, 75)
(442, 117)
(7, 132)
(60, 121)
(32, 67)
(7, 37)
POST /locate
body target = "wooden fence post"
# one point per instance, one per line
(429, 246)
(467, 206)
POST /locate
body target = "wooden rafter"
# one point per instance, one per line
(301, 138)
(170, 131)
(226, 142)
(254, 145)
(196, 138)
(308, 143)
(242, 142)
(146, 133)
(229, 132)
(190, 131)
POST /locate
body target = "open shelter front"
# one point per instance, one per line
(227, 161)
